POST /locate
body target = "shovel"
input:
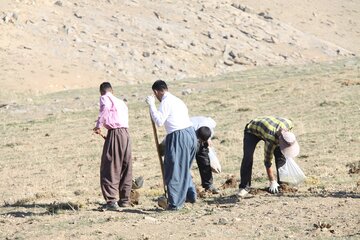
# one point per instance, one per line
(159, 155)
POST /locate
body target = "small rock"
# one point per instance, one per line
(4, 105)
(232, 55)
(265, 15)
(78, 15)
(223, 221)
(241, 7)
(146, 54)
(15, 16)
(269, 40)
(58, 3)
(228, 62)
(186, 92)
(9, 17)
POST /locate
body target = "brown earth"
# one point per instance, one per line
(292, 59)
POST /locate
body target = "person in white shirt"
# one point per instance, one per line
(204, 129)
(180, 146)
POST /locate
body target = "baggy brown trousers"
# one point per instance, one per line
(116, 166)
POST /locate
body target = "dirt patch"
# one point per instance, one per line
(350, 83)
(284, 188)
(135, 197)
(230, 182)
(354, 168)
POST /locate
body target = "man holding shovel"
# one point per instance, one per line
(279, 141)
(116, 164)
(180, 147)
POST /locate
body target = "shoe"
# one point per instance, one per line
(212, 189)
(191, 200)
(172, 208)
(162, 202)
(125, 205)
(111, 206)
(242, 193)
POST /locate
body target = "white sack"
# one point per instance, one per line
(214, 161)
(291, 173)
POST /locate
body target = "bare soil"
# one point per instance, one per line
(50, 161)
(232, 61)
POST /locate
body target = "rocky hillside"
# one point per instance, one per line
(53, 45)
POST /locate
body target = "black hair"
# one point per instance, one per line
(159, 85)
(104, 87)
(203, 133)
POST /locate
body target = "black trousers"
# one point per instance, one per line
(250, 142)
(203, 162)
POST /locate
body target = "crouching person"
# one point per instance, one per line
(279, 141)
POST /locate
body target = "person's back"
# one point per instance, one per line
(266, 127)
(201, 121)
(176, 114)
(116, 163)
(204, 127)
(116, 110)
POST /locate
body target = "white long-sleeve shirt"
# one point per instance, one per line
(201, 121)
(172, 113)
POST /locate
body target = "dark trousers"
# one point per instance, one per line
(116, 166)
(203, 162)
(250, 142)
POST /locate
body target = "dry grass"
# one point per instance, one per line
(49, 155)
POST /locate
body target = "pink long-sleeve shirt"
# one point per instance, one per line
(113, 113)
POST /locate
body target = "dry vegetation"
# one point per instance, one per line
(49, 168)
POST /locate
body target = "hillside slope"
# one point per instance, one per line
(55, 45)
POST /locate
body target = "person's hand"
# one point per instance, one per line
(274, 187)
(150, 100)
(97, 130)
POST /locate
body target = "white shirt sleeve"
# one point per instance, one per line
(160, 116)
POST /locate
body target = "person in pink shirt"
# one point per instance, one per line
(116, 163)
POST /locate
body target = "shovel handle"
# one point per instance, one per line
(159, 155)
(102, 135)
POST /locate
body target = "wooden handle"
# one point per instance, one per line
(159, 155)
(102, 136)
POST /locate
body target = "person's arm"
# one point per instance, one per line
(270, 174)
(159, 116)
(105, 106)
(269, 150)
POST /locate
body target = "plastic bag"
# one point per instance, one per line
(291, 173)
(214, 161)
